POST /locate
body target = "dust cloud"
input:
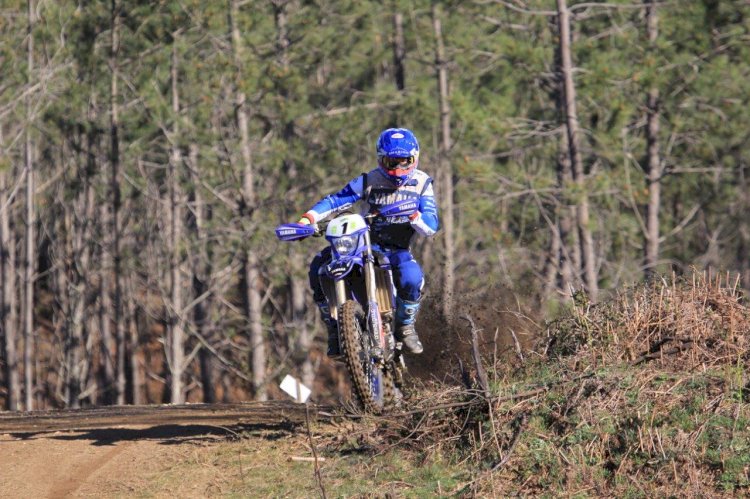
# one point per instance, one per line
(497, 313)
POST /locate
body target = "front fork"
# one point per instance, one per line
(370, 283)
(340, 293)
(374, 320)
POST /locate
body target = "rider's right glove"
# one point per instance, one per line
(309, 220)
(306, 220)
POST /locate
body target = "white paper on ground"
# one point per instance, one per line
(295, 389)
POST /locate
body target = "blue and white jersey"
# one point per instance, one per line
(391, 232)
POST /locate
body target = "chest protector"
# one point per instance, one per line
(377, 191)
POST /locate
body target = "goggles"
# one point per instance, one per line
(390, 163)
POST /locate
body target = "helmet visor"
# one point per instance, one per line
(390, 163)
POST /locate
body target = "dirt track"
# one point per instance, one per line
(76, 453)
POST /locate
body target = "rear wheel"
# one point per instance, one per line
(374, 386)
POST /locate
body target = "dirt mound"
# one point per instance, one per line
(645, 395)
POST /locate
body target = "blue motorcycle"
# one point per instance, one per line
(358, 285)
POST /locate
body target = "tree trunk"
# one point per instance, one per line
(282, 32)
(445, 168)
(83, 255)
(564, 252)
(71, 304)
(176, 335)
(108, 351)
(102, 321)
(570, 249)
(253, 311)
(251, 264)
(8, 317)
(297, 284)
(297, 291)
(248, 189)
(553, 262)
(71, 269)
(136, 374)
(653, 160)
(116, 203)
(29, 264)
(399, 51)
(201, 270)
(571, 114)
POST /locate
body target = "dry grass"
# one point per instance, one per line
(701, 322)
(644, 395)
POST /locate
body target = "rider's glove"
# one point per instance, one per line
(306, 220)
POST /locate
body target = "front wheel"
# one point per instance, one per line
(373, 385)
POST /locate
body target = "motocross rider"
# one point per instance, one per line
(395, 179)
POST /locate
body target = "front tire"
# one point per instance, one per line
(373, 386)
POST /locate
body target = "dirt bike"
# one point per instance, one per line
(358, 285)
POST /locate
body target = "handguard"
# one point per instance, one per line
(294, 231)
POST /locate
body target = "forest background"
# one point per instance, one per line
(148, 149)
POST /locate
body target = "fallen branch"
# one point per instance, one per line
(659, 353)
(520, 424)
(466, 403)
(316, 459)
(465, 378)
(306, 459)
(517, 344)
(484, 383)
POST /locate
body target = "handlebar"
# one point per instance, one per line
(296, 232)
(320, 227)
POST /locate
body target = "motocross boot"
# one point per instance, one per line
(406, 316)
(334, 349)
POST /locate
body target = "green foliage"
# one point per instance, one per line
(319, 83)
(319, 98)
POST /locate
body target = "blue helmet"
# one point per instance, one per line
(398, 154)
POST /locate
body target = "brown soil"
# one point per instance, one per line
(122, 451)
(62, 464)
(162, 461)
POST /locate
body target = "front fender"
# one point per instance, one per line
(342, 267)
